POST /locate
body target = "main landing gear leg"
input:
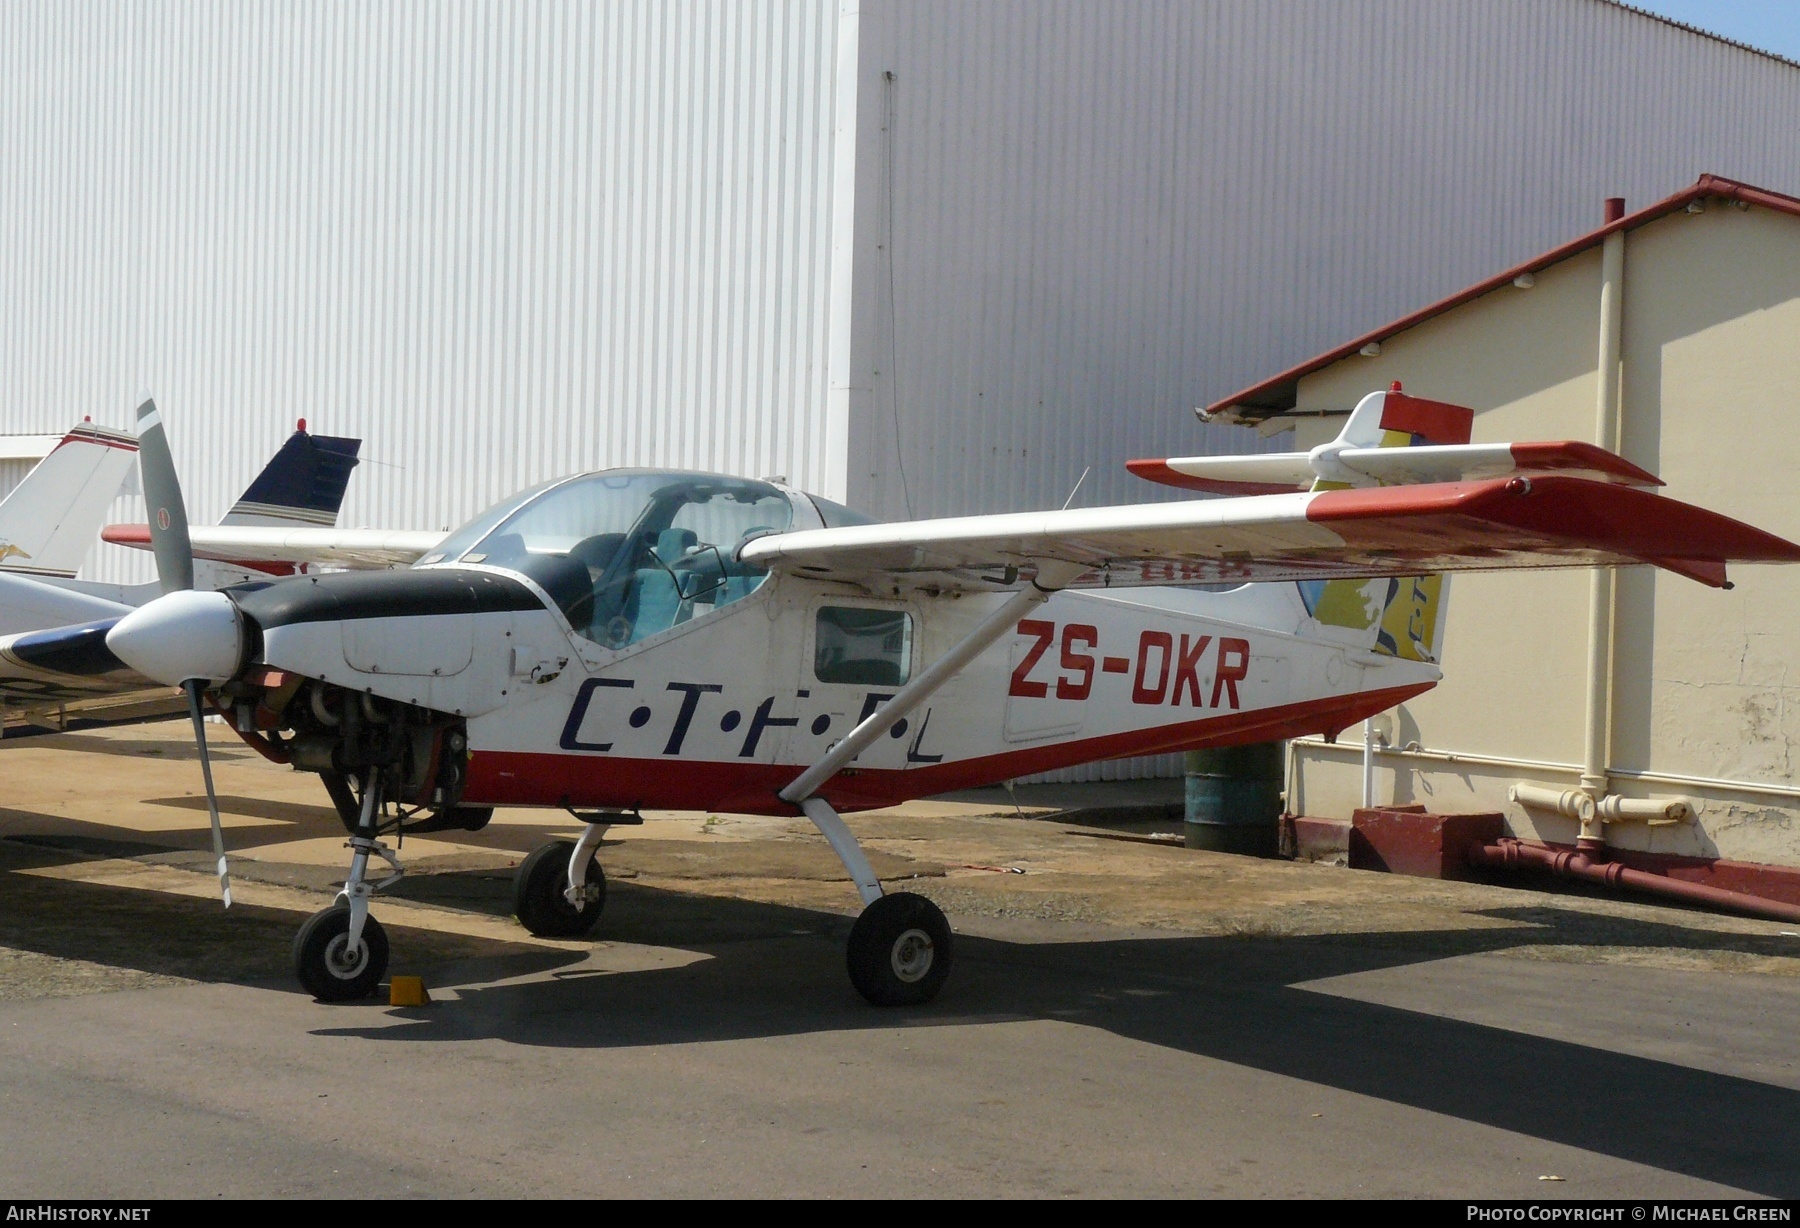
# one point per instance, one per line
(900, 947)
(341, 953)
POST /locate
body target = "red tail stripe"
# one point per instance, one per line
(520, 778)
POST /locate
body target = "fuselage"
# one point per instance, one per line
(618, 658)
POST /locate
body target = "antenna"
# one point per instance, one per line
(1077, 490)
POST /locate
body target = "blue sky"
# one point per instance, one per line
(1770, 25)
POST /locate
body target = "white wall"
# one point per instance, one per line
(499, 241)
(1099, 215)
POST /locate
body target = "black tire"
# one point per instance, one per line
(900, 950)
(538, 887)
(319, 956)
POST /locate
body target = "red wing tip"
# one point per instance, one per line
(1551, 455)
(126, 534)
(1158, 471)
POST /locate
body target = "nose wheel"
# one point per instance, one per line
(341, 953)
(330, 965)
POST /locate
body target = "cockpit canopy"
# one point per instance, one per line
(628, 552)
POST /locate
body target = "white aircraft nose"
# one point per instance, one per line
(180, 636)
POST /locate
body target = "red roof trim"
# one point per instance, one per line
(1705, 186)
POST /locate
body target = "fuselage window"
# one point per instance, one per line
(863, 647)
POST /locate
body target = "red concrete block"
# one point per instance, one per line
(1409, 841)
(1305, 838)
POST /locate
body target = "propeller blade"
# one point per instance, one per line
(162, 498)
(192, 687)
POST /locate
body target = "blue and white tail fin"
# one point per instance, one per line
(303, 486)
(50, 521)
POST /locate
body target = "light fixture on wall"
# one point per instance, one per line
(1524, 281)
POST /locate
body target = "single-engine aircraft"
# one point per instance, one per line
(651, 638)
(51, 678)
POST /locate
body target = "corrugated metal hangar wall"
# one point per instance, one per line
(930, 256)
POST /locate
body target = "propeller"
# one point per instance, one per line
(174, 553)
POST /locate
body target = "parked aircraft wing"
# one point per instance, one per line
(260, 544)
(30, 605)
(1276, 473)
(1497, 524)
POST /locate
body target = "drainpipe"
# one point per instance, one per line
(1368, 781)
(1600, 590)
(1509, 853)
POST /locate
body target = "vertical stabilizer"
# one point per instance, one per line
(1403, 617)
(51, 520)
(302, 486)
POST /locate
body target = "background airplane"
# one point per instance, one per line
(54, 517)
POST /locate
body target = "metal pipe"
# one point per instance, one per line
(1576, 863)
(1572, 803)
(1368, 796)
(1051, 577)
(1598, 741)
(1791, 792)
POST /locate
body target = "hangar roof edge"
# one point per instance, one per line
(1276, 395)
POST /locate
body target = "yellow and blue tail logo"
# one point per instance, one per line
(1403, 617)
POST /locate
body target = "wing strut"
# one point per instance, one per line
(901, 946)
(1052, 575)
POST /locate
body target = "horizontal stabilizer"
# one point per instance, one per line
(1491, 525)
(1281, 472)
(356, 548)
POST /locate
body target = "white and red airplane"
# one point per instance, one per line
(648, 638)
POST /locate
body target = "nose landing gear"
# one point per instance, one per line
(341, 953)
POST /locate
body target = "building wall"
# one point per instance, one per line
(1706, 684)
(1076, 221)
(499, 241)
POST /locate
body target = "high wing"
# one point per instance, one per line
(261, 544)
(1280, 472)
(1496, 524)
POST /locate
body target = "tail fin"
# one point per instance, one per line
(1395, 617)
(303, 485)
(51, 520)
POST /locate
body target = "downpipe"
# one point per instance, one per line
(1511, 854)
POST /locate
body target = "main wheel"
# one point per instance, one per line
(328, 969)
(900, 950)
(538, 899)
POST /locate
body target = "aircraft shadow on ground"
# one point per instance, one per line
(1232, 999)
(778, 970)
